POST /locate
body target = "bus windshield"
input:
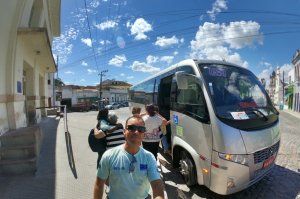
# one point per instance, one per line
(236, 93)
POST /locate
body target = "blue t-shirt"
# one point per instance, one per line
(115, 164)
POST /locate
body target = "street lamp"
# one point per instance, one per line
(100, 86)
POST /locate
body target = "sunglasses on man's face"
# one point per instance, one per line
(131, 165)
(134, 128)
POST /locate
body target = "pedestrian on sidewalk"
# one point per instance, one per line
(163, 130)
(136, 111)
(153, 121)
(114, 135)
(103, 125)
(129, 167)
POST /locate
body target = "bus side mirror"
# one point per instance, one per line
(181, 80)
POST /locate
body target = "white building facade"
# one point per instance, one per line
(278, 94)
(296, 95)
(26, 60)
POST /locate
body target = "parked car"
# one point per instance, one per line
(124, 104)
(80, 107)
(114, 105)
(94, 107)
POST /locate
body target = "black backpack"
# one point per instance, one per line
(97, 145)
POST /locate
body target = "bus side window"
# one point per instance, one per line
(189, 100)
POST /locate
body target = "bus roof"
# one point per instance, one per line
(188, 62)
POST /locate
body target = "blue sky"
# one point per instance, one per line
(134, 39)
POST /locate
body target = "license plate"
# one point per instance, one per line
(268, 162)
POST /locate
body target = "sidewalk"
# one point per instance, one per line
(57, 175)
(293, 113)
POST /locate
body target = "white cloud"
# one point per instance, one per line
(62, 45)
(90, 71)
(106, 25)
(87, 41)
(286, 68)
(102, 42)
(69, 72)
(265, 74)
(241, 33)
(168, 59)
(166, 42)
(95, 3)
(128, 24)
(117, 60)
(83, 63)
(82, 80)
(175, 52)
(130, 77)
(216, 41)
(151, 59)
(139, 27)
(122, 74)
(218, 6)
(144, 67)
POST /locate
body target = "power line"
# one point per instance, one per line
(91, 38)
(191, 28)
(111, 50)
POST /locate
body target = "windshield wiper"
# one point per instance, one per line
(257, 110)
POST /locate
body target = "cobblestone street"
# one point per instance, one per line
(67, 167)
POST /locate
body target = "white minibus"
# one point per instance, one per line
(224, 132)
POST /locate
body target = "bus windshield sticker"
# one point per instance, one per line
(211, 88)
(175, 119)
(217, 72)
(179, 131)
(239, 115)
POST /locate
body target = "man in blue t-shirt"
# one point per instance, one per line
(129, 167)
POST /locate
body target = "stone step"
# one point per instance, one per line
(17, 152)
(21, 137)
(18, 166)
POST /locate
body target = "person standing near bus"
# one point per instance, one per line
(114, 135)
(130, 168)
(152, 135)
(136, 111)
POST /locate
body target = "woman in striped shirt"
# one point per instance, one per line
(114, 135)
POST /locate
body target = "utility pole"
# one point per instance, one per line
(283, 86)
(100, 85)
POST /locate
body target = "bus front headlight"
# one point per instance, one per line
(240, 159)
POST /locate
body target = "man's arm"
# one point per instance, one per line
(116, 127)
(158, 189)
(98, 133)
(98, 188)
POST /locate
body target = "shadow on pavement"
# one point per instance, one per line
(279, 183)
(70, 154)
(42, 184)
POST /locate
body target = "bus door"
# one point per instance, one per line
(191, 124)
(164, 89)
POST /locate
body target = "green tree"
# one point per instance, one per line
(59, 82)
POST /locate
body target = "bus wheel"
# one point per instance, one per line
(187, 169)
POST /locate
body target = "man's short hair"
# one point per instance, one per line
(135, 117)
(136, 110)
(112, 118)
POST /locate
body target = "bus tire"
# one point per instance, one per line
(187, 169)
